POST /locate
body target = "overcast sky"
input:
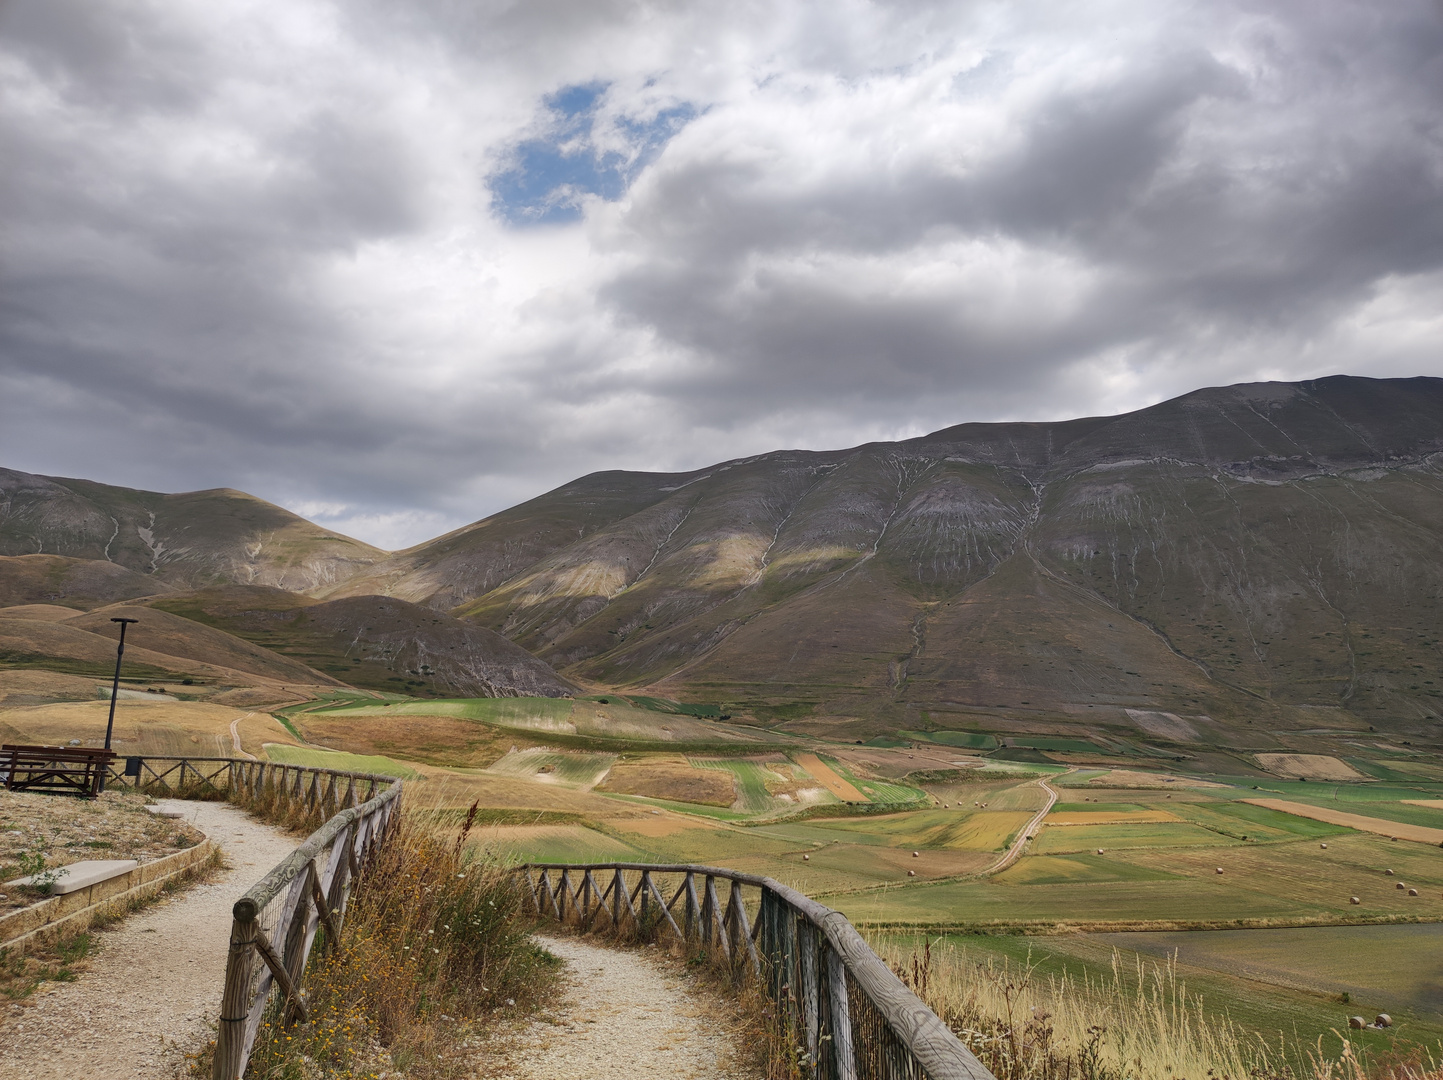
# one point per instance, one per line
(400, 265)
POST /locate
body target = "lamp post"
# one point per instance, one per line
(115, 686)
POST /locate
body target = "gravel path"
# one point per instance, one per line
(155, 983)
(626, 1014)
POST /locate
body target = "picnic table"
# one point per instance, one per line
(65, 770)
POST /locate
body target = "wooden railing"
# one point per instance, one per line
(276, 924)
(851, 1017)
(296, 787)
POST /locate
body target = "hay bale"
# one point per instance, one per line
(1323, 846)
(1357, 1023)
(1383, 1020)
(911, 873)
(1400, 885)
(806, 858)
(1388, 872)
(1412, 892)
(914, 855)
(1354, 900)
(1100, 851)
(1220, 869)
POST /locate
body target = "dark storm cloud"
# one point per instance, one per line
(400, 265)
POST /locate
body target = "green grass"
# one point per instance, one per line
(1068, 869)
(877, 791)
(570, 769)
(336, 759)
(751, 779)
(674, 708)
(719, 813)
(522, 712)
(996, 904)
(1255, 822)
(1047, 742)
(1056, 840)
(1269, 1007)
(970, 740)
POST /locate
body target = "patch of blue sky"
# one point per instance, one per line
(579, 152)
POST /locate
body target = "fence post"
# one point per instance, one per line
(843, 1053)
(235, 999)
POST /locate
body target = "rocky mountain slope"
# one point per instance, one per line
(189, 540)
(378, 643)
(1236, 561)
(1264, 552)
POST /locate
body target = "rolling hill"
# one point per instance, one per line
(372, 642)
(189, 540)
(1219, 568)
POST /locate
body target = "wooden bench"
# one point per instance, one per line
(66, 770)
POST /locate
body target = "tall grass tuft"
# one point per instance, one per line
(435, 939)
(1134, 1024)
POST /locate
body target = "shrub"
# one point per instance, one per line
(434, 940)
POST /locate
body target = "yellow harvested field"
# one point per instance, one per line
(1354, 821)
(160, 728)
(672, 778)
(1109, 817)
(830, 780)
(1431, 804)
(1311, 766)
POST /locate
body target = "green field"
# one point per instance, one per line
(751, 779)
(557, 767)
(1154, 834)
(968, 740)
(336, 759)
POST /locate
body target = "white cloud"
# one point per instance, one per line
(256, 246)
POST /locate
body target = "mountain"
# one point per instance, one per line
(189, 541)
(74, 583)
(373, 642)
(1218, 568)
(1265, 552)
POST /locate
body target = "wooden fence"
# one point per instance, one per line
(276, 923)
(851, 1017)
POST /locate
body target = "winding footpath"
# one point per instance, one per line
(626, 1014)
(154, 985)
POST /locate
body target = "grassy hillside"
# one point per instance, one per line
(373, 642)
(1260, 553)
(192, 539)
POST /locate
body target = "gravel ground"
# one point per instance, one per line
(154, 986)
(627, 1014)
(114, 826)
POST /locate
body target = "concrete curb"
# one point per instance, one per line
(72, 913)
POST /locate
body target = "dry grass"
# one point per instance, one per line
(64, 829)
(1138, 1024)
(676, 779)
(434, 948)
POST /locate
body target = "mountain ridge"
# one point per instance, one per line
(1244, 555)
